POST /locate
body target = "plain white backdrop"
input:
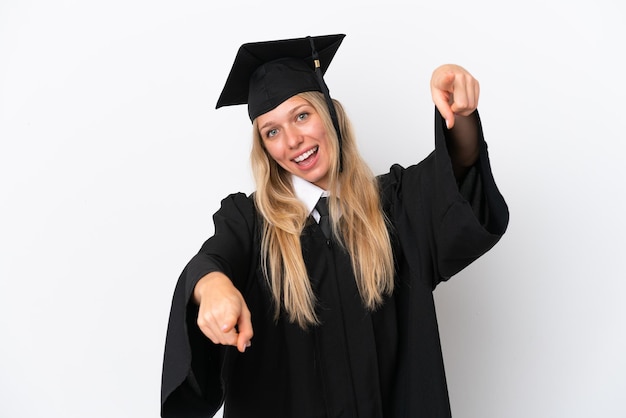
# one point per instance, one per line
(113, 159)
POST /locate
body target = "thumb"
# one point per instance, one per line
(229, 321)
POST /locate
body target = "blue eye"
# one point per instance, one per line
(303, 116)
(271, 133)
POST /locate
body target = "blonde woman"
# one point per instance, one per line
(314, 296)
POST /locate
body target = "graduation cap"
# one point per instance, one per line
(265, 74)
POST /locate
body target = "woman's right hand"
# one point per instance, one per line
(223, 315)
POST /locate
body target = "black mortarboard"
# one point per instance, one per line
(265, 74)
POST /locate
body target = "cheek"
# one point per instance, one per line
(325, 143)
(273, 151)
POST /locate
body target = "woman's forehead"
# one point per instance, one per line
(286, 108)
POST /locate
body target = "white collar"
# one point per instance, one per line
(308, 193)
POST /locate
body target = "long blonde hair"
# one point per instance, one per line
(361, 228)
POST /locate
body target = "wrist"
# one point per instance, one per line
(205, 283)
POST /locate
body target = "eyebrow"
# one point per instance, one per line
(291, 112)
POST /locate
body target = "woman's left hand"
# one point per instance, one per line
(455, 92)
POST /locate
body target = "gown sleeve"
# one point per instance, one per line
(436, 217)
(191, 379)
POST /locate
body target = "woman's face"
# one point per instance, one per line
(294, 136)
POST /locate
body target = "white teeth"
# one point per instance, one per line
(306, 155)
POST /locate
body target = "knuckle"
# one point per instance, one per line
(200, 321)
(204, 319)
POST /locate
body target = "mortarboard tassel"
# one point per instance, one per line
(329, 101)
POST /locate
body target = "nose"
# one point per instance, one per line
(294, 138)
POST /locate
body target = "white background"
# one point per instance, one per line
(113, 160)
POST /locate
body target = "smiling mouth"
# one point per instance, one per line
(305, 155)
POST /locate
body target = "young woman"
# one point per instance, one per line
(294, 310)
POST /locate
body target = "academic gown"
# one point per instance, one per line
(357, 363)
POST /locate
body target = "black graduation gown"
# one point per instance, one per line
(357, 363)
